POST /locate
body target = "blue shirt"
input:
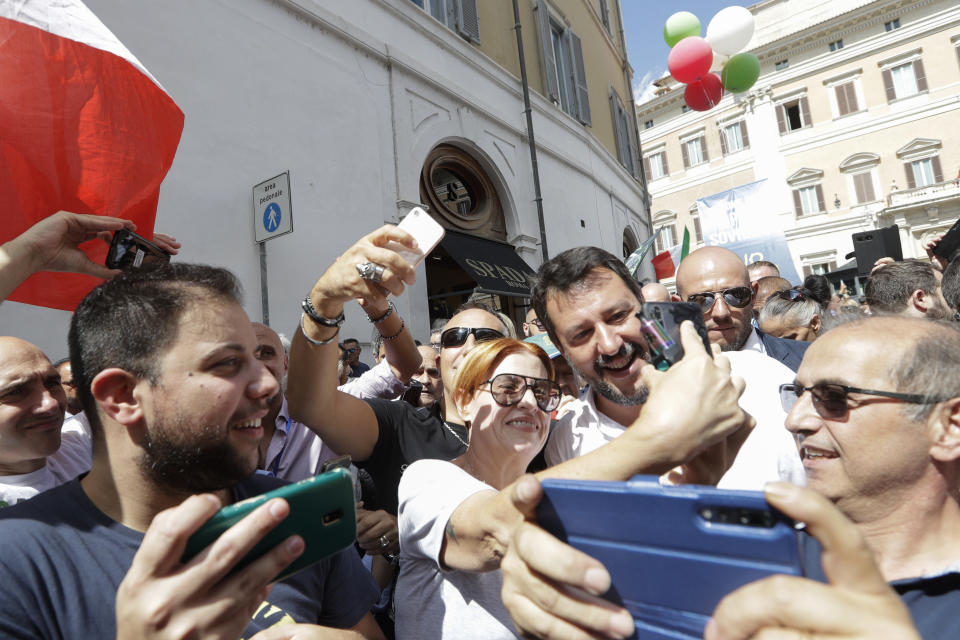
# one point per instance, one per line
(62, 560)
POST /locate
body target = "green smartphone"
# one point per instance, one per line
(322, 512)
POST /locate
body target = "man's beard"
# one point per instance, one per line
(187, 462)
(607, 390)
(745, 329)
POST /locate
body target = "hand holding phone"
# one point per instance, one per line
(670, 571)
(660, 323)
(322, 512)
(156, 587)
(858, 602)
(129, 250)
(694, 405)
(424, 229)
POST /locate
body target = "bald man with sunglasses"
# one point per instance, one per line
(716, 279)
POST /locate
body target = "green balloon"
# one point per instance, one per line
(740, 72)
(679, 26)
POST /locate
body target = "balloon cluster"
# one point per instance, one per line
(694, 61)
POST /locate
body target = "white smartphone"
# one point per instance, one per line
(424, 229)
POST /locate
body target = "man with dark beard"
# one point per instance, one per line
(588, 302)
(166, 368)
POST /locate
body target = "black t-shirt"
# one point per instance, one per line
(62, 560)
(933, 601)
(408, 434)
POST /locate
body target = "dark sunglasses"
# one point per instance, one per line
(830, 400)
(791, 295)
(738, 297)
(539, 325)
(456, 336)
(508, 389)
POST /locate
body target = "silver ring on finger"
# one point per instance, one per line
(378, 270)
(384, 541)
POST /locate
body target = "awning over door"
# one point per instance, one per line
(495, 266)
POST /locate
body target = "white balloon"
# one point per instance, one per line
(730, 30)
(718, 61)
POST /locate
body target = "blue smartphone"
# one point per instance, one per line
(672, 552)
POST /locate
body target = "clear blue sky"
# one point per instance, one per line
(643, 22)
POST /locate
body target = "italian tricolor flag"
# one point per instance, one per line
(665, 263)
(83, 127)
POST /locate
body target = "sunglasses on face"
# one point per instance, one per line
(737, 297)
(456, 336)
(830, 400)
(539, 325)
(508, 389)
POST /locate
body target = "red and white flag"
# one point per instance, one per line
(83, 127)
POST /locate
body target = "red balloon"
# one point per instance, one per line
(705, 94)
(690, 59)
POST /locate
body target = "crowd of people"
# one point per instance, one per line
(172, 403)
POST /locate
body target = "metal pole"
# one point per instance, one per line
(538, 198)
(264, 303)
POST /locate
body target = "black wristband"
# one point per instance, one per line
(312, 313)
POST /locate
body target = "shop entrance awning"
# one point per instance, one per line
(495, 266)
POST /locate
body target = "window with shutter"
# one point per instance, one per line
(548, 62)
(807, 200)
(793, 115)
(697, 229)
(863, 187)
(656, 164)
(731, 138)
(667, 238)
(580, 79)
(846, 98)
(468, 21)
(624, 140)
(743, 134)
(805, 112)
(694, 152)
(904, 80)
(458, 15)
(564, 71)
(922, 172)
(604, 15)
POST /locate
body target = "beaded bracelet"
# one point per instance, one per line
(397, 334)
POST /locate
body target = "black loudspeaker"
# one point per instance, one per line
(870, 246)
